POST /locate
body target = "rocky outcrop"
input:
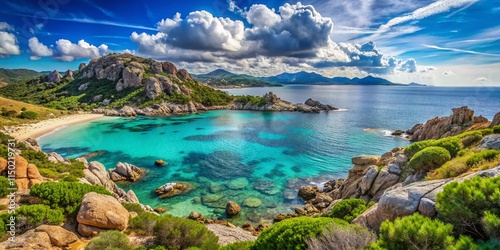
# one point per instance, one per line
(317, 104)
(102, 212)
(403, 200)
(59, 237)
(460, 121)
(172, 189)
(153, 88)
(69, 74)
(27, 174)
(56, 158)
(495, 121)
(84, 86)
(125, 172)
(54, 76)
(32, 144)
(82, 66)
(96, 174)
(29, 240)
(169, 68)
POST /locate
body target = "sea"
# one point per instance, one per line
(260, 159)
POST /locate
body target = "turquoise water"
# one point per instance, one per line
(274, 153)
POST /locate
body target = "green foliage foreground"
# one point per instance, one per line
(348, 209)
(429, 158)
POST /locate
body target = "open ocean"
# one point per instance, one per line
(234, 155)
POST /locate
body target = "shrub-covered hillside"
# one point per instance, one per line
(116, 80)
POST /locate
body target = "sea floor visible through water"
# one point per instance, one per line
(257, 159)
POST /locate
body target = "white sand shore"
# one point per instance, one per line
(36, 130)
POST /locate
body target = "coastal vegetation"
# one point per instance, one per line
(12, 112)
(349, 209)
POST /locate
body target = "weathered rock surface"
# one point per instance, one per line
(153, 87)
(69, 74)
(495, 121)
(490, 142)
(172, 189)
(125, 172)
(29, 240)
(59, 236)
(228, 235)
(460, 121)
(54, 76)
(27, 174)
(96, 174)
(400, 200)
(55, 157)
(102, 211)
(232, 208)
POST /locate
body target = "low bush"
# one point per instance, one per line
(414, 232)
(496, 129)
(65, 195)
(31, 115)
(53, 170)
(453, 168)
(179, 233)
(348, 209)
(293, 233)
(471, 140)
(452, 144)
(143, 224)
(491, 223)
(342, 237)
(110, 240)
(481, 156)
(241, 245)
(465, 205)
(31, 216)
(4, 185)
(429, 158)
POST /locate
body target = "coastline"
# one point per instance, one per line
(38, 129)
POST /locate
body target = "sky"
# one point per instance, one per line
(442, 42)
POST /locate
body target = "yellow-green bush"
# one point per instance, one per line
(429, 158)
(481, 156)
(452, 144)
(348, 209)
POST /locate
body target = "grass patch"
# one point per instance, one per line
(43, 113)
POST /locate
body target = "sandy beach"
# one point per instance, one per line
(38, 129)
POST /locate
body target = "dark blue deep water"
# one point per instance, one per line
(235, 155)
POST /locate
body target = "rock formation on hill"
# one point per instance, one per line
(26, 175)
(461, 120)
(54, 76)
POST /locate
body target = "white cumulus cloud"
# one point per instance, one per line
(67, 51)
(5, 26)
(8, 45)
(38, 49)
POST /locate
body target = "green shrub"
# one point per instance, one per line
(452, 144)
(342, 237)
(493, 244)
(241, 245)
(429, 158)
(31, 115)
(110, 240)
(32, 155)
(31, 216)
(293, 233)
(4, 185)
(180, 233)
(464, 204)
(133, 207)
(491, 223)
(143, 224)
(348, 209)
(65, 195)
(4, 220)
(4, 138)
(53, 170)
(481, 156)
(487, 131)
(496, 129)
(472, 139)
(414, 232)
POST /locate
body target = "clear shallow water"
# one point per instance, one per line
(274, 152)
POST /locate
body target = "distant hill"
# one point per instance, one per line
(414, 84)
(10, 76)
(315, 78)
(224, 78)
(17, 106)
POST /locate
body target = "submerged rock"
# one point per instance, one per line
(172, 189)
(252, 202)
(160, 162)
(232, 208)
(239, 183)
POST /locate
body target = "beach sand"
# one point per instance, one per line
(36, 130)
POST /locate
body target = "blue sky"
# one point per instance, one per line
(443, 42)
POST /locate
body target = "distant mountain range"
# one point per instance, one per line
(225, 78)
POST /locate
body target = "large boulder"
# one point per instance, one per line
(365, 160)
(490, 142)
(59, 236)
(308, 192)
(132, 75)
(169, 68)
(102, 211)
(495, 121)
(153, 87)
(228, 235)
(29, 240)
(125, 171)
(232, 208)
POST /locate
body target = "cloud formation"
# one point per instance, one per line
(38, 49)
(296, 36)
(67, 51)
(8, 45)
